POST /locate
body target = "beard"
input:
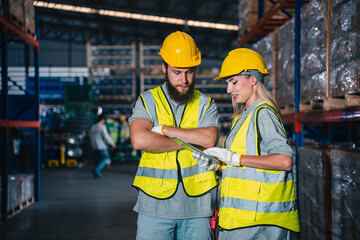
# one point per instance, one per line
(181, 98)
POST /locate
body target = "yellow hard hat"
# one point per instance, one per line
(179, 50)
(239, 60)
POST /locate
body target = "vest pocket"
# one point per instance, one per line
(201, 177)
(244, 189)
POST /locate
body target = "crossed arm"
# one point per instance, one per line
(142, 138)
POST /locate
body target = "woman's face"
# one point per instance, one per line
(241, 88)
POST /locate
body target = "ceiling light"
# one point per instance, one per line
(137, 16)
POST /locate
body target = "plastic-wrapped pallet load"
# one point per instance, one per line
(29, 17)
(265, 48)
(15, 12)
(313, 51)
(345, 190)
(345, 48)
(286, 64)
(27, 188)
(245, 19)
(314, 193)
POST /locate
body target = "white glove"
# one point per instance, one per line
(225, 156)
(158, 129)
(205, 162)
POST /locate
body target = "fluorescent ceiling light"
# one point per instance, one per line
(137, 16)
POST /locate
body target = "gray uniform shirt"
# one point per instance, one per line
(179, 206)
(99, 137)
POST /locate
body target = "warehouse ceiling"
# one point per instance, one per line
(67, 26)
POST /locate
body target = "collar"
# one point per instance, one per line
(246, 111)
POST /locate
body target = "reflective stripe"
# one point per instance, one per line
(249, 205)
(191, 171)
(158, 173)
(257, 175)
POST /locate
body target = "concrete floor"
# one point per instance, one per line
(74, 205)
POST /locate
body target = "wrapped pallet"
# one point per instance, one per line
(29, 17)
(248, 15)
(314, 193)
(345, 190)
(15, 12)
(265, 48)
(313, 51)
(245, 18)
(286, 64)
(345, 48)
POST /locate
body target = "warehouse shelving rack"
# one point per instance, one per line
(322, 125)
(151, 76)
(15, 109)
(298, 118)
(112, 71)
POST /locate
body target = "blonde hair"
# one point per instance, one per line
(263, 93)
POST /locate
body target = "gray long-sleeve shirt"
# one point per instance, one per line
(99, 137)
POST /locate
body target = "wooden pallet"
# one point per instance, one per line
(317, 104)
(17, 209)
(331, 103)
(352, 99)
(287, 109)
(305, 107)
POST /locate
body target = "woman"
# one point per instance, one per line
(257, 186)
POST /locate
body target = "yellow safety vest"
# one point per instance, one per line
(252, 196)
(157, 174)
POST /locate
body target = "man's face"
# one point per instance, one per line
(180, 83)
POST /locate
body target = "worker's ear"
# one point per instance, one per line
(253, 80)
(163, 67)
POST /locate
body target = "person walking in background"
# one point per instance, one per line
(125, 136)
(257, 186)
(174, 192)
(100, 140)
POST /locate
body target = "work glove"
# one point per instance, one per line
(225, 156)
(206, 163)
(158, 129)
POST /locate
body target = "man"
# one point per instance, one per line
(174, 192)
(100, 139)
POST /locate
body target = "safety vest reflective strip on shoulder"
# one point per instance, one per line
(251, 196)
(157, 174)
